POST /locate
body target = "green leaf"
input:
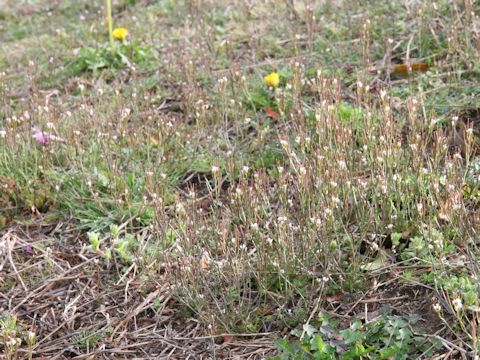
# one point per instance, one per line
(378, 263)
(396, 237)
(309, 329)
(284, 346)
(351, 336)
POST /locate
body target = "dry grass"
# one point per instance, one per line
(180, 208)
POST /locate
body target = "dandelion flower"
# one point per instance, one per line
(120, 34)
(272, 79)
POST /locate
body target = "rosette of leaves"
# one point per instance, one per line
(90, 59)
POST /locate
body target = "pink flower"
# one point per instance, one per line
(27, 249)
(42, 138)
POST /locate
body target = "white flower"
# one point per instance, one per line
(125, 113)
(11, 342)
(31, 336)
(3, 133)
(457, 304)
(180, 208)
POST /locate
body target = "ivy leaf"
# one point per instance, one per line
(309, 329)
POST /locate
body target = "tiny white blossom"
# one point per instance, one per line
(31, 336)
(457, 304)
(342, 164)
(11, 343)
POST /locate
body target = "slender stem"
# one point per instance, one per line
(108, 4)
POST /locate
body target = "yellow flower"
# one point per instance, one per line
(120, 34)
(272, 79)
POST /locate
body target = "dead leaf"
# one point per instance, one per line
(153, 141)
(271, 113)
(264, 311)
(227, 339)
(205, 261)
(334, 298)
(408, 68)
(407, 232)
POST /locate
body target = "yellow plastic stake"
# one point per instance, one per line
(108, 6)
